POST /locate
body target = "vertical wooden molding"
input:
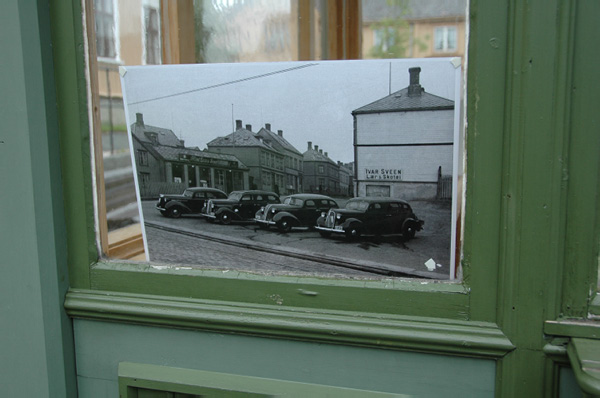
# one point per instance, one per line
(343, 29)
(178, 38)
(353, 37)
(305, 27)
(334, 29)
(96, 123)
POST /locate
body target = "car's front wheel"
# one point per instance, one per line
(225, 219)
(284, 225)
(353, 231)
(408, 231)
(174, 212)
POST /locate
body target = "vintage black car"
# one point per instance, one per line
(371, 216)
(190, 202)
(239, 206)
(299, 210)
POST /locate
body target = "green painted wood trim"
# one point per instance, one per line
(584, 355)
(589, 329)
(583, 176)
(595, 305)
(422, 334)
(486, 75)
(387, 296)
(36, 333)
(133, 376)
(556, 350)
(71, 95)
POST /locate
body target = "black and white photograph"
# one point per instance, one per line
(347, 169)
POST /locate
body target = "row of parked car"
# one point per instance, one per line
(361, 216)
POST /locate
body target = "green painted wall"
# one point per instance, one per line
(531, 228)
(100, 346)
(36, 347)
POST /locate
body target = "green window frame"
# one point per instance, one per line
(531, 222)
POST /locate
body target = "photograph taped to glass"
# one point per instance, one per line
(335, 168)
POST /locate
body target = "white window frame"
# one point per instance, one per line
(154, 4)
(445, 32)
(116, 32)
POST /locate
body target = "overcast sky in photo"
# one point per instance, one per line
(309, 101)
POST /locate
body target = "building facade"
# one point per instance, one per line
(413, 29)
(266, 167)
(321, 174)
(165, 165)
(292, 159)
(402, 141)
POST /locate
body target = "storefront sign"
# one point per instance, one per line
(383, 174)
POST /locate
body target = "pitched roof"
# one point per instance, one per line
(400, 101)
(279, 140)
(312, 155)
(239, 138)
(376, 10)
(164, 136)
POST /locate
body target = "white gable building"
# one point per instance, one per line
(403, 142)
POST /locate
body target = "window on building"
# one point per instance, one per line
(152, 48)
(445, 39)
(144, 179)
(378, 190)
(105, 28)
(143, 157)
(321, 169)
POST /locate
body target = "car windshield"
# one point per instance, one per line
(293, 201)
(235, 195)
(357, 205)
(188, 193)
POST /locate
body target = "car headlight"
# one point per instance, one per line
(323, 214)
(236, 210)
(262, 209)
(338, 216)
(273, 211)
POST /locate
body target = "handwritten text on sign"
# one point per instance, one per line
(383, 174)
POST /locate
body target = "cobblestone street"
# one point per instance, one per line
(192, 241)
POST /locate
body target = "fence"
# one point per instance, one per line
(444, 188)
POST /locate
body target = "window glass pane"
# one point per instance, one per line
(413, 29)
(260, 30)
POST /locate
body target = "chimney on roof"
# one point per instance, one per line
(238, 124)
(139, 119)
(268, 126)
(249, 127)
(321, 151)
(182, 142)
(317, 148)
(414, 89)
(326, 154)
(280, 133)
(309, 145)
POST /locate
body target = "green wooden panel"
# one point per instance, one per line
(101, 346)
(151, 381)
(392, 296)
(37, 344)
(583, 215)
(415, 333)
(75, 155)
